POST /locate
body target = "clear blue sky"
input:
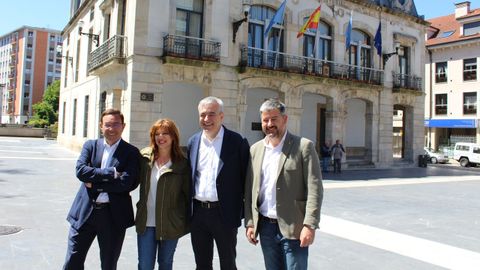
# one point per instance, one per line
(54, 14)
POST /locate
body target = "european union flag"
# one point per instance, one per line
(277, 18)
(377, 42)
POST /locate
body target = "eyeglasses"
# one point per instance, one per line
(113, 125)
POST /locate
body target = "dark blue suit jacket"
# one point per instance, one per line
(126, 159)
(234, 159)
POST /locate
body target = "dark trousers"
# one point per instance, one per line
(337, 165)
(110, 240)
(207, 226)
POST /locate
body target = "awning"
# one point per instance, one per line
(451, 123)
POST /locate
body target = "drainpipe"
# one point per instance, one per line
(430, 107)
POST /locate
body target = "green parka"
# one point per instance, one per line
(172, 212)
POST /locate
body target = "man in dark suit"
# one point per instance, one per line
(284, 196)
(108, 169)
(219, 159)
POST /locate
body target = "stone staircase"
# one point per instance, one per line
(357, 159)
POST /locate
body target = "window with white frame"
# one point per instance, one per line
(360, 49)
(189, 18)
(471, 28)
(470, 103)
(260, 16)
(440, 104)
(470, 69)
(441, 72)
(324, 42)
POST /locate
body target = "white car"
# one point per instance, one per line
(435, 157)
(467, 154)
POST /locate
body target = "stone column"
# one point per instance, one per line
(293, 101)
(385, 125)
(409, 132)
(337, 119)
(369, 119)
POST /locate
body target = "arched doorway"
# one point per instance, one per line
(314, 119)
(358, 131)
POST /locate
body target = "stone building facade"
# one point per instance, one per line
(157, 59)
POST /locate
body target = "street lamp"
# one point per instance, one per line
(397, 51)
(59, 54)
(93, 37)
(246, 9)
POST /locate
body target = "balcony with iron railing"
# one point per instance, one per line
(408, 82)
(265, 59)
(191, 48)
(112, 51)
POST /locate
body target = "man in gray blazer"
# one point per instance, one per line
(284, 195)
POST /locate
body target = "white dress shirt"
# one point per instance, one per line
(152, 193)
(270, 163)
(207, 167)
(107, 156)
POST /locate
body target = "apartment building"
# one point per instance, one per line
(451, 84)
(154, 59)
(28, 64)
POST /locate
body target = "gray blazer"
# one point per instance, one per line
(299, 186)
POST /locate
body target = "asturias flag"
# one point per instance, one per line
(277, 18)
(312, 22)
(348, 33)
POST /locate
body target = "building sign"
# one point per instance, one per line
(451, 123)
(146, 96)
(256, 126)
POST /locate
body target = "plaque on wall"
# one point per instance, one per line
(146, 96)
(256, 126)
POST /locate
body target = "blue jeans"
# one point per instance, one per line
(148, 246)
(280, 253)
(325, 163)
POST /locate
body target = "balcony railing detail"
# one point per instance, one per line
(407, 81)
(260, 58)
(191, 47)
(113, 48)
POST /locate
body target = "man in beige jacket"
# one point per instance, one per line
(284, 195)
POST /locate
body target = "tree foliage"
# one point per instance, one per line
(52, 95)
(45, 113)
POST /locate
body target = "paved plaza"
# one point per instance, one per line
(395, 219)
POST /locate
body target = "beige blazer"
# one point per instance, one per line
(299, 186)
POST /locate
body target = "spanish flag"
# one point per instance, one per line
(312, 22)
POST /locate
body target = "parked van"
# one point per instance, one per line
(467, 154)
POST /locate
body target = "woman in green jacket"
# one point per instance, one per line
(163, 207)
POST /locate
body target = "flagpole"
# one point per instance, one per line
(278, 48)
(315, 41)
(380, 56)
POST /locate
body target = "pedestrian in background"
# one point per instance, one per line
(337, 153)
(163, 209)
(108, 169)
(326, 156)
(284, 197)
(219, 159)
